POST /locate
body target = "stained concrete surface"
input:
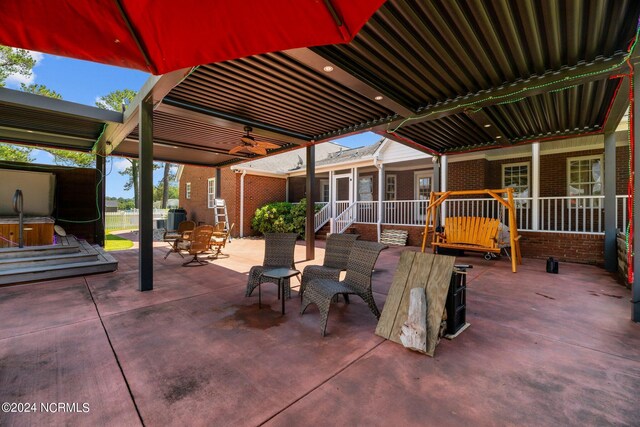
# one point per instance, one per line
(541, 350)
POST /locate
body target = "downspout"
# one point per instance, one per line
(380, 168)
(244, 172)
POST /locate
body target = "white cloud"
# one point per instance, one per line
(120, 164)
(14, 80)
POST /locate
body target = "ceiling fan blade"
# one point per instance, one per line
(258, 150)
(248, 140)
(267, 145)
(237, 149)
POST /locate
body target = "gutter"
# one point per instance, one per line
(242, 203)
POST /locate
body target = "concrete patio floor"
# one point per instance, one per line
(542, 349)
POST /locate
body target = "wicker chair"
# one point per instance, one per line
(175, 236)
(197, 243)
(360, 265)
(278, 253)
(335, 260)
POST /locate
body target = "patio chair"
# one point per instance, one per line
(278, 253)
(219, 239)
(360, 265)
(197, 243)
(175, 236)
(335, 260)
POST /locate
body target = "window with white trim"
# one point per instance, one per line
(211, 192)
(516, 176)
(187, 190)
(584, 178)
(365, 188)
(390, 187)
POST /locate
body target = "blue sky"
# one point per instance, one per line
(84, 82)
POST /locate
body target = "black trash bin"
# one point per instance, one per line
(175, 217)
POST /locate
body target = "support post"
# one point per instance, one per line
(310, 231)
(244, 172)
(332, 214)
(145, 196)
(635, 290)
(219, 184)
(437, 181)
(101, 167)
(381, 185)
(444, 175)
(610, 231)
(535, 186)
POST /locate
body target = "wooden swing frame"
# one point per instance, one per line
(437, 198)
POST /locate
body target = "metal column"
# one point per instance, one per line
(610, 231)
(145, 189)
(535, 186)
(101, 167)
(635, 293)
(310, 232)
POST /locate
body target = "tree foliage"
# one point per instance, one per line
(14, 61)
(41, 90)
(281, 217)
(115, 100)
(14, 153)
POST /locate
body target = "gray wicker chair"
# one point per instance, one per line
(360, 265)
(278, 253)
(335, 260)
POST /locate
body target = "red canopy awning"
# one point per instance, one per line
(165, 35)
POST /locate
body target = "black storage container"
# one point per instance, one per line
(175, 217)
(457, 299)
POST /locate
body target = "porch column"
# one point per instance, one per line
(436, 173)
(535, 186)
(635, 297)
(310, 232)
(444, 175)
(381, 185)
(610, 231)
(219, 185)
(101, 167)
(145, 196)
(332, 213)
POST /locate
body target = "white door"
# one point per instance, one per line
(422, 187)
(342, 193)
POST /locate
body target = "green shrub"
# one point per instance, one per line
(280, 217)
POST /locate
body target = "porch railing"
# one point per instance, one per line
(578, 214)
(322, 216)
(345, 219)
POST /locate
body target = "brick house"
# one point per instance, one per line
(560, 209)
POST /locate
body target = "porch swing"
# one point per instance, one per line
(471, 233)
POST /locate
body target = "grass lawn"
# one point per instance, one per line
(113, 242)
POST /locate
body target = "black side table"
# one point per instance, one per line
(280, 274)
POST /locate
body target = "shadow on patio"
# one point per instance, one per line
(541, 350)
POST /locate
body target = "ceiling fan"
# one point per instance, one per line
(250, 144)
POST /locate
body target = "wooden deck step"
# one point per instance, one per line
(11, 263)
(36, 251)
(28, 274)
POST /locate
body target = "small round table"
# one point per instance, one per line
(279, 274)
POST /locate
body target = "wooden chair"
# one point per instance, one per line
(360, 265)
(336, 255)
(278, 253)
(198, 242)
(219, 240)
(175, 236)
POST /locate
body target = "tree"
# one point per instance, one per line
(131, 172)
(158, 192)
(41, 90)
(12, 153)
(14, 61)
(115, 100)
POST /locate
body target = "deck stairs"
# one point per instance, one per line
(69, 257)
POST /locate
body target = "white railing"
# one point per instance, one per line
(128, 220)
(578, 214)
(491, 208)
(367, 212)
(621, 212)
(404, 212)
(322, 216)
(341, 207)
(345, 219)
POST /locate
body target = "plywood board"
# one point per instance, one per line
(428, 271)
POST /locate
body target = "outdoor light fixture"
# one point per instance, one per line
(498, 137)
(328, 68)
(487, 125)
(378, 98)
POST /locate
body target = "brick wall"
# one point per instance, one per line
(566, 247)
(230, 192)
(196, 205)
(468, 175)
(494, 175)
(258, 191)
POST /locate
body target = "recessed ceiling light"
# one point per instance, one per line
(378, 98)
(328, 68)
(487, 126)
(498, 137)
(30, 131)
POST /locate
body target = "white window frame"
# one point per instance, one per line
(519, 203)
(211, 193)
(324, 183)
(579, 203)
(187, 190)
(395, 187)
(362, 180)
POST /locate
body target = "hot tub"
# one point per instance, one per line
(37, 230)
